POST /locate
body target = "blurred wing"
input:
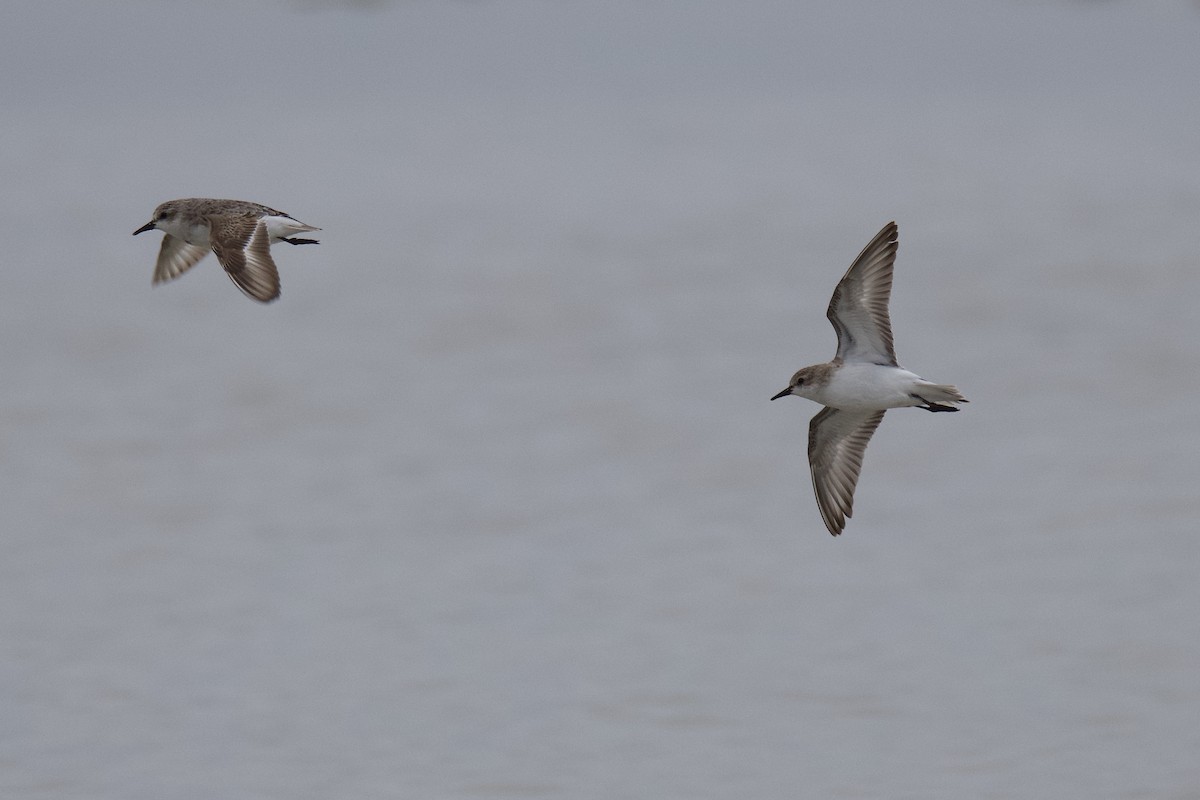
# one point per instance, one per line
(175, 257)
(243, 247)
(836, 443)
(859, 308)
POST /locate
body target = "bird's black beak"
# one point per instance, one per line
(149, 226)
(784, 393)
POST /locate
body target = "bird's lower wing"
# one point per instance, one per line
(176, 257)
(837, 440)
(243, 247)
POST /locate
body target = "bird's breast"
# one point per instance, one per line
(192, 234)
(869, 387)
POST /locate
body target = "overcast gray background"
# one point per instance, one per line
(492, 503)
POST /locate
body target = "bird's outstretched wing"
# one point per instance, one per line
(859, 308)
(837, 440)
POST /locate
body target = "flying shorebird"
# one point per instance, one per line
(861, 382)
(239, 232)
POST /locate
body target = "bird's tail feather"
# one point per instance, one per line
(942, 393)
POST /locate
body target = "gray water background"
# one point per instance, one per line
(492, 503)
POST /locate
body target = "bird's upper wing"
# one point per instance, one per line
(243, 247)
(176, 257)
(859, 308)
(836, 442)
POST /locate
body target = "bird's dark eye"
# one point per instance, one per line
(800, 381)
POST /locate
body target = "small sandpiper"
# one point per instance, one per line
(239, 232)
(861, 382)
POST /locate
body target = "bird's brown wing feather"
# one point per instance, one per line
(837, 440)
(243, 247)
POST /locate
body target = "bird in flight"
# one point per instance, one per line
(239, 232)
(861, 382)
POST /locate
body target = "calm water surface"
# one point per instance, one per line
(492, 503)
